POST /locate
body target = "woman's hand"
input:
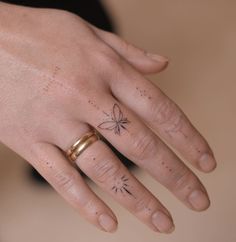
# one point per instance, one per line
(60, 76)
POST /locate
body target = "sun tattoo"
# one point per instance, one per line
(116, 121)
(122, 186)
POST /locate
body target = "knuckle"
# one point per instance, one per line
(131, 48)
(65, 180)
(108, 57)
(83, 205)
(165, 112)
(144, 146)
(175, 124)
(181, 179)
(109, 61)
(88, 204)
(126, 46)
(105, 170)
(143, 204)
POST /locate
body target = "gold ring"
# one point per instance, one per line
(81, 144)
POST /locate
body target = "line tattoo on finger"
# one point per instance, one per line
(116, 120)
(122, 186)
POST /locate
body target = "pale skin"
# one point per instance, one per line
(60, 77)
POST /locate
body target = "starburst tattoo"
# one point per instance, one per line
(122, 186)
(116, 121)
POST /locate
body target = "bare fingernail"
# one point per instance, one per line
(158, 58)
(107, 222)
(162, 222)
(207, 162)
(199, 200)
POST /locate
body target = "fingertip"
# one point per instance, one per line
(162, 222)
(158, 58)
(165, 65)
(108, 223)
(199, 200)
(207, 163)
(153, 67)
(114, 229)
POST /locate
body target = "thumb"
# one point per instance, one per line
(141, 60)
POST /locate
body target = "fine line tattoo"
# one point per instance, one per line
(116, 120)
(122, 186)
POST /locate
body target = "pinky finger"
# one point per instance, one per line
(67, 181)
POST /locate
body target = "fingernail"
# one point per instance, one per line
(199, 200)
(207, 162)
(107, 222)
(162, 222)
(158, 58)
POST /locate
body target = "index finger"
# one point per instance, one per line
(162, 115)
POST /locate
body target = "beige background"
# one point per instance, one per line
(199, 37)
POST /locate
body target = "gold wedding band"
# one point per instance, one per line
(81, 144)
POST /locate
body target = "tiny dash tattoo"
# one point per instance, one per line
(116, 121)
(122, 186)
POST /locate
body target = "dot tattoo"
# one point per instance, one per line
(148, 210)
(116, 121)
(143, 93)
(121, 185)
(55, 82)
(52, 79)
(93, 104)
(167, 167)
(49, 164)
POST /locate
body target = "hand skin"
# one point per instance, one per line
(60, 76)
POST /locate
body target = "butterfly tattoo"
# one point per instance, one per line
(117, 122)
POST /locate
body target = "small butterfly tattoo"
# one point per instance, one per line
(117, 122)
